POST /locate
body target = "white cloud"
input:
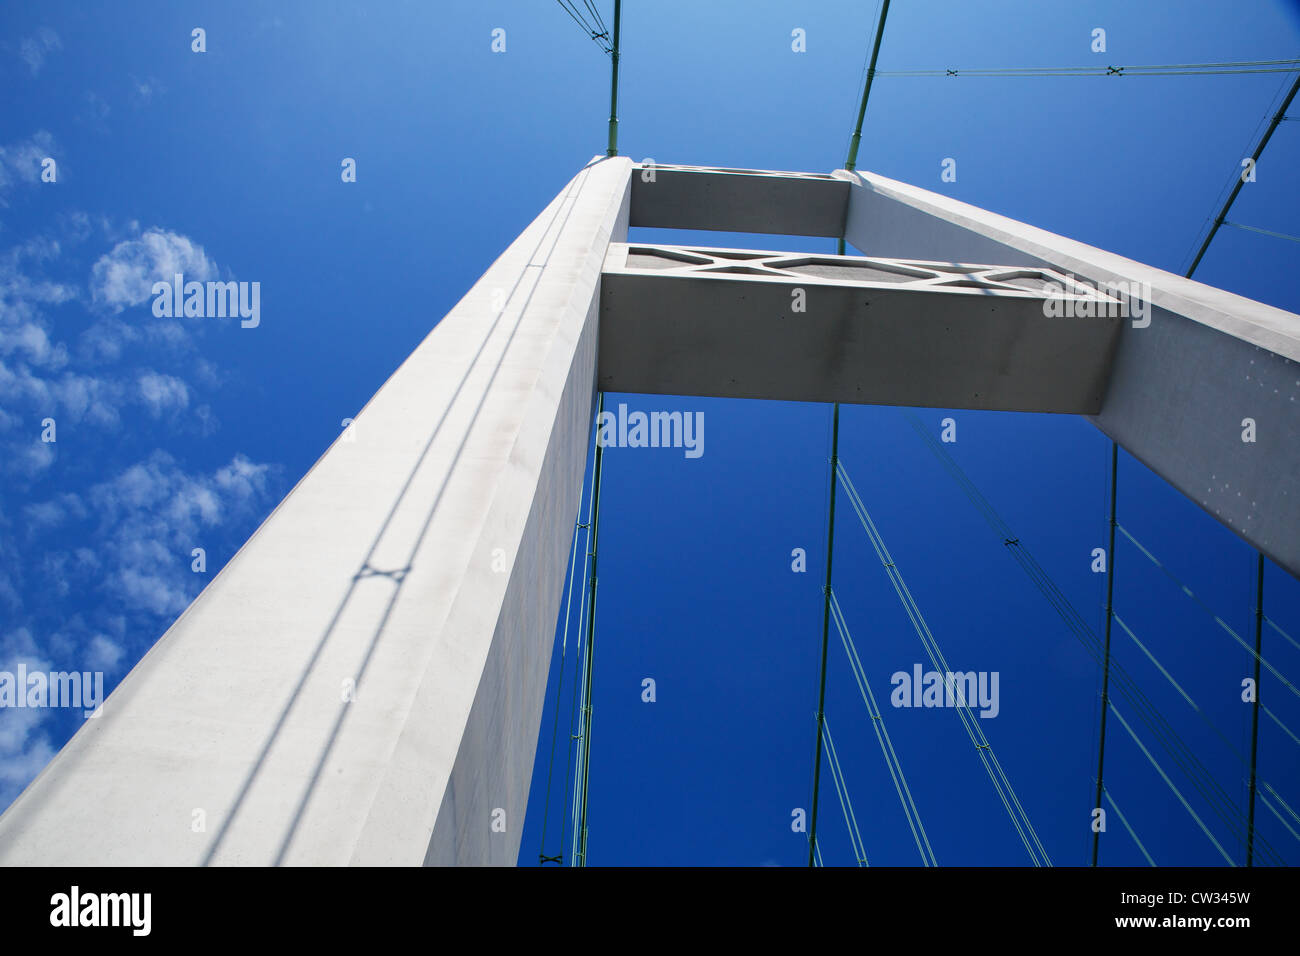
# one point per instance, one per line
(117, 548)
(242, 478)
(125, 276)
(33, 340)
(104, 653)
(154, 513)
(161, 393)
(24, 751)
(150, 592)
(33, 49)
(49, 514)
(22, 160)
(24, 333)
(33, 458)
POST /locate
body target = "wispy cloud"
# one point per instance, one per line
(21, 161)
(135, 533)
(34, 49)
(144, 90)
(24, 748)
(162, 393)
(125, 276)
(154, 513)
(97, 532)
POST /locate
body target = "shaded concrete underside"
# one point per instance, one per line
(732, 338)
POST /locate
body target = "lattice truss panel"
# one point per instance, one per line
(1016, 281)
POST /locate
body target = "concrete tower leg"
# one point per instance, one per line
(363, 682)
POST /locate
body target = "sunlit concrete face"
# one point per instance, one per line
(363, 682)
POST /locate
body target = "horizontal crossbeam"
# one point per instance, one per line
(1203, 387)
(741, 323)
(738, 200)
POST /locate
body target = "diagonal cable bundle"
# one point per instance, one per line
(904, 792)
(594, 28)
(1002, 785)
(1205, 784)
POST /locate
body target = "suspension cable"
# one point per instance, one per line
(1122, 819)
(1181, 799)
(1105, 664)
(826, 626)
(598, 34)
(892, 762)
(851, 163)
(581, 833)
(1186, 760)
(1206, 608)
(612, 149)
(578, 524)
(1218, 220)
(846, 803)
(1168, 69)
(1019, 818)
(1254, 711)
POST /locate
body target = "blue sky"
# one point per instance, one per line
(177, 434)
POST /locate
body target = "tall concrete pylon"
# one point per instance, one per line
(363, 682)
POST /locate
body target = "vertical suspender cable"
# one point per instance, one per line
(564, 647)
(591, 643)
(1254, 711)
(613, 85)
(852, 162)
(1105, 664)
(826, 624)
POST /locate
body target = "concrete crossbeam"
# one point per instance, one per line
(747, 324)
(738, 200)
